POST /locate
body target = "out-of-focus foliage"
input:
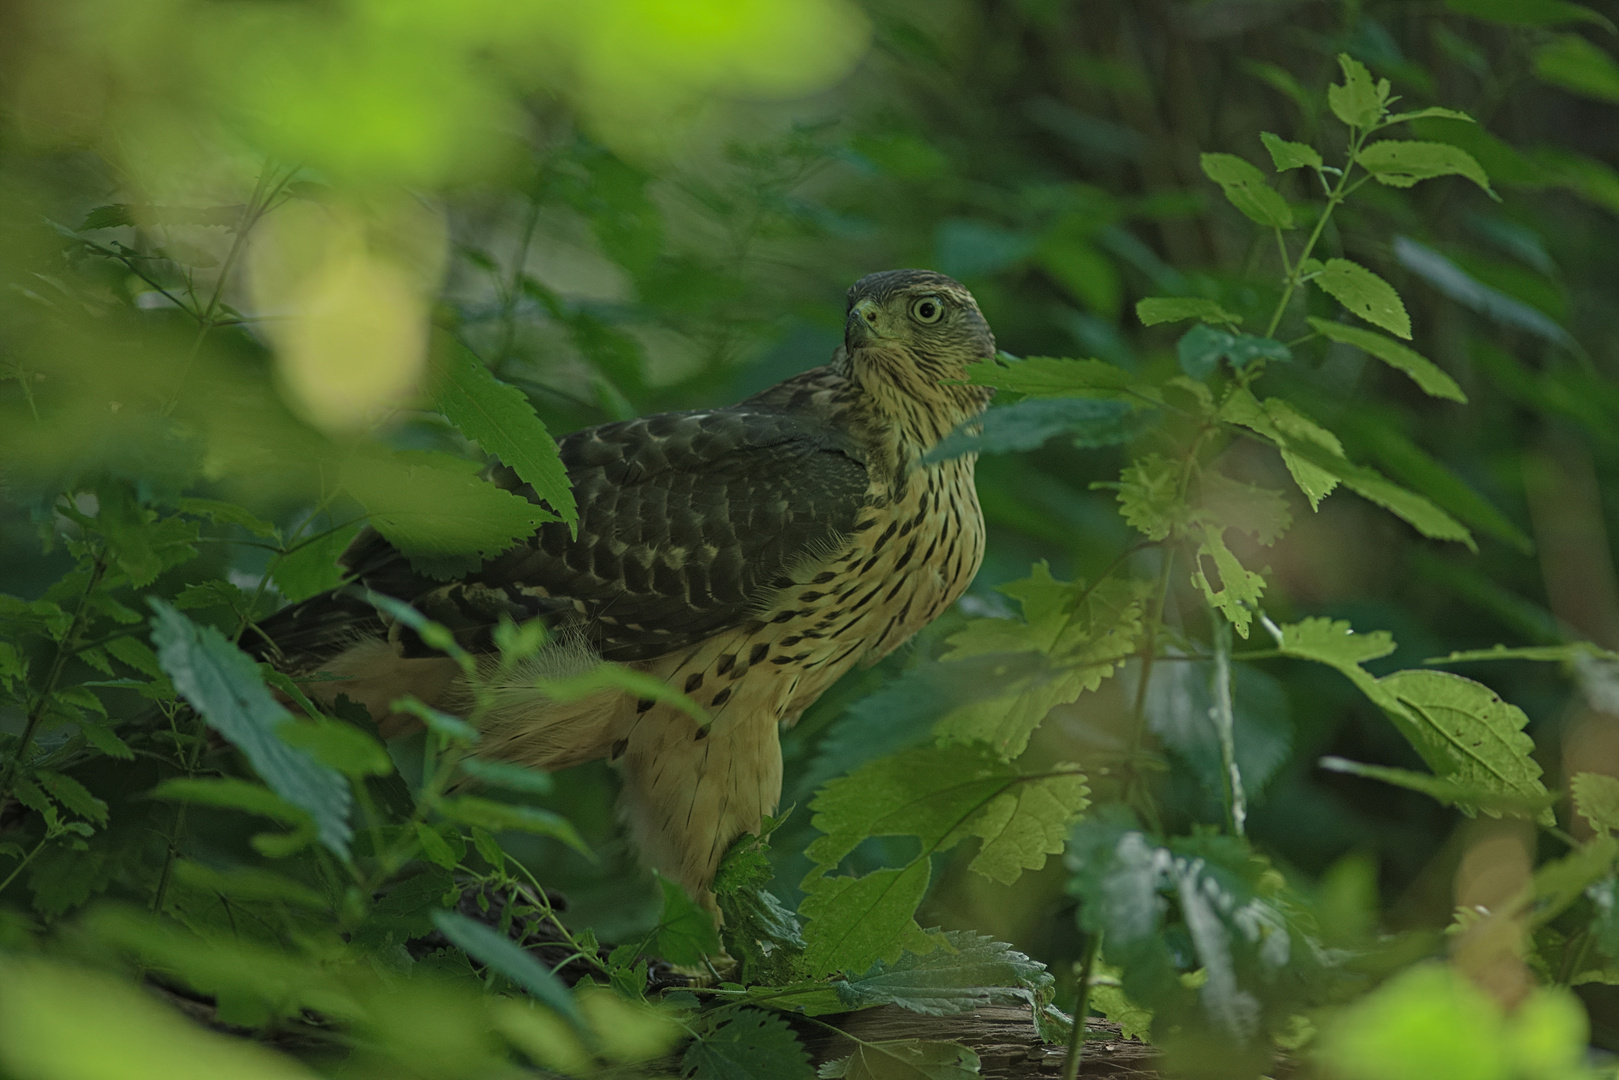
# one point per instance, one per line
(1316, 400)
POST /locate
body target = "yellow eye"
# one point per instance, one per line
(927, 309)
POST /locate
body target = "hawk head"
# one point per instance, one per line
(907, 340)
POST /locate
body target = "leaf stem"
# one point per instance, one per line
(1336, 196)
(1082, 1005)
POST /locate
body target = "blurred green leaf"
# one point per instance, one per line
(1571, 62)
(1201, 349)
(1531, 12)
(1446, 792)
(223, 684)
(229, 793)
(504, 774)
(1596, 798)
(311, 567)
(1029, 424)
(1563, 654)
(1046, 376)
(337, 745)
(499, 817)
(1161, 309)
(1457, 284)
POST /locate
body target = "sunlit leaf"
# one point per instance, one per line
(1365, 294)
(1161, 309)
(1358, 101)
(1231, 587)
(1290, 155)
(1402, 163)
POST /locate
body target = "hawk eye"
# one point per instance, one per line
(926, 309)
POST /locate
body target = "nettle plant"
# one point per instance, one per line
(383, 919)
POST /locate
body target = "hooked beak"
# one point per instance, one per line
(860, 328)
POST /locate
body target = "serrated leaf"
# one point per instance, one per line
(1029, 424)
(13, 668)
(226, 513)
(685, 933)
(500, 418)
(1365, 294)
(1108, 998)
(853, 921)
(747, 1044)
(1232, 588)
(111, 216)
(1047, 376)
(970, 971)
(435, 847)
(1461, 729)
(1290, 155)
(1369, 484)
(905, 1059)
(435, 507)
(73, 795)
(1153, 310)
(1260, 512)
(1424, 372)
(489, 946)
(1402, 163)
(1596, 797)
(1431, 113)
(1246, 189)
(337, 745)
(1358, 101)
(222, 683)
(1019, 828)
(1560, 654)
(1149, 496)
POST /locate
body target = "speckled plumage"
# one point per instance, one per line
(747, 555)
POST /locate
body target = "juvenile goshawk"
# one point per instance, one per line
(747, 556)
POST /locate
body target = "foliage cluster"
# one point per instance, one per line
(206, 397)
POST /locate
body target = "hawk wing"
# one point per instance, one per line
(688, 524)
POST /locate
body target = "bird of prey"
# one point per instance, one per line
(747, 556)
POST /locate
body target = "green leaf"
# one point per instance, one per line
(1047, 376)
(435, 847)
(1232, 588)
(222, 683)
(1149, 496)
(1287, 429)
(13, 668)
(229, 793)
(685, 933)
(1028, 424)
(971, 971)
(490, 947)
(500, 418)
(1560, 654)
(1108, 998)
(1424, 372)
(452, 728)
(337, 745)
(1431, 113)
(1443, 791)
(854, 921)
(225, 513)
(1596, 797)
(1180, 696)
(1202, 347)
(312, 567)
(1467, 290)
(1461, 729)
(1358, 101)
(73, 795)
(1365, 294)
(1371, 485)
(905, 1059)
(1161, 309)
(249, 885)
(1290, 155)
(747, 1044)
(499, 817)
(606, 675)
(504, 774)
(436, 508)
(134, 1037)
(1262, 513)
(1402, 163)
(1432, 1012)
(1571, 62)
(1531, 12)
(1246, 189)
